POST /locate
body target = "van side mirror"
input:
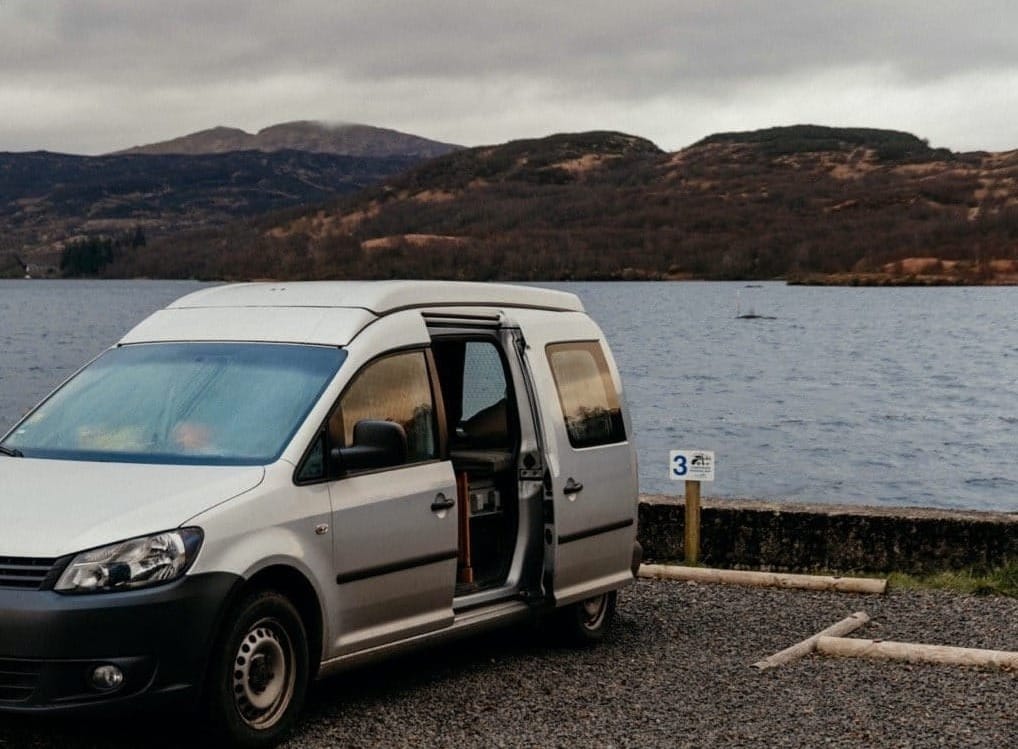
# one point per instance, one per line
(376, 444)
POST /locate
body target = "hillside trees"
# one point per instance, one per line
(90, 256)
(793, 201)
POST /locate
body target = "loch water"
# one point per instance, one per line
(878, 396)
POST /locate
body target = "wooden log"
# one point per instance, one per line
(912, 652)
(807, 646)
(764, 579)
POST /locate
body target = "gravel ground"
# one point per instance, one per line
(675, 672)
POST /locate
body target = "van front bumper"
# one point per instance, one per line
(160, 639)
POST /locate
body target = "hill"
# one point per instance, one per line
(800, 202)
(886, 145)
(48, 199)
(314, 137)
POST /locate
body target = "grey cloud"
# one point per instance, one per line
(618, 43)
(591, 52)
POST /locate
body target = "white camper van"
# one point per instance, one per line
(264, 483)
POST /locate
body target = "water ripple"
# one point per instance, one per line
(869, 396)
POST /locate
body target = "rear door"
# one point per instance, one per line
(590, 483)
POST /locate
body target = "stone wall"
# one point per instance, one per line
(741, 534)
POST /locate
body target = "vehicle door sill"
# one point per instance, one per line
(472, 601)
(476, 620)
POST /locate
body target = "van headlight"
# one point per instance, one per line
(131, 564)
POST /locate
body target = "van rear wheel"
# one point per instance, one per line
(259, 673)
(587, 622)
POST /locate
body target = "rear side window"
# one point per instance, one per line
(590, 405)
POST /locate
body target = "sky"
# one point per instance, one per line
(93, 76)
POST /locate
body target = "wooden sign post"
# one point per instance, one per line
(691, 466)
(692, 540)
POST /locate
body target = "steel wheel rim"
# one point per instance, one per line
(593, 611)
(263, 674)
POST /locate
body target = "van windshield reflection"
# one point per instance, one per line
(192, 403)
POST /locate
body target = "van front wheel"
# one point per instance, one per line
(587, 622)
(259, 673)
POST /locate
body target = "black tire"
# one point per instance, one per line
(587, 622)
(258, 675)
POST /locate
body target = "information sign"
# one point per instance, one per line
(691, 465)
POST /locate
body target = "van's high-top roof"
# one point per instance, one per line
(379, 297)
(324, 312)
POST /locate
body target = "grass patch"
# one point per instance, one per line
(1002, 581)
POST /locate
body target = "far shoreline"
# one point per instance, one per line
(863, 280)
(871, 280)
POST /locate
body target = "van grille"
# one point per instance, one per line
(18, 679)
(24, 572)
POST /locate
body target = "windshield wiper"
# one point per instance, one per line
(12, 452)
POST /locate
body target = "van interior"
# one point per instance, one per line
(484, 437)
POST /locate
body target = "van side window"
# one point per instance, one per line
(586, 393)
(395, 388)
(485, 416)
(313, 467)
(475, 390)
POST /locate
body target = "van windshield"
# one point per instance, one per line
(193, 403)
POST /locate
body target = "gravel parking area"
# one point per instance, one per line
(676, 672)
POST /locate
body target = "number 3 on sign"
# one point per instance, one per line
(680, 465)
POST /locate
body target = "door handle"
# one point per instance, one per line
(442, 502)
(572, 487)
